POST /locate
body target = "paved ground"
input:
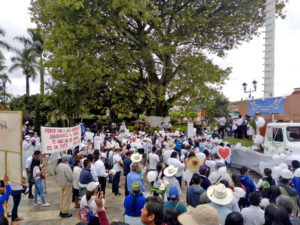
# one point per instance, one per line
(38, 215)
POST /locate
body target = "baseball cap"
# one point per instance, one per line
(173, 193)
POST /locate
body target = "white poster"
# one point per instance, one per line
(58, 139)
(11, 145)
(190, 130)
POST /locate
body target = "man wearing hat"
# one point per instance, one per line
(101, 171)
(117, 167)
(167, 153)
(201, 215)
(220, 196)
(170, 173)
(127, 163)
(65, 179)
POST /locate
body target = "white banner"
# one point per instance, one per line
(11, 145)
(58, 139)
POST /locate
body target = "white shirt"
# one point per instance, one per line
(239, 121)
(167, 155)
(93, 172)
(253, 215)
(173, 182)
(16, 187)
(222, 121)
(28, 162)
(26, 145)
(153, 160)
(100, 168)
(76, 175)
(117, 158)
(93, 205)
(36, 170)
(176, 163)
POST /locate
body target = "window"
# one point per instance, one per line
(293, 133)
(277, 134)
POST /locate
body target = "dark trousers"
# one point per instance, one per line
(179, 180)
(16, 198)
(102, 181)
(115, 183)
(30, 190)
(126, 188)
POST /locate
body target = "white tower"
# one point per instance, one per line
(269, 49)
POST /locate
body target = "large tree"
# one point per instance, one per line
(25, 60)
(3, 44)
(144, 55)
(36, 42)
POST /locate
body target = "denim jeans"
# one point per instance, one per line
(115, 183)
(16, 198)
(39, 189)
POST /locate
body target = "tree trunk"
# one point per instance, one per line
(41, 76)
(27, 85)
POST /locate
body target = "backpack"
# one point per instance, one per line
(86, 213)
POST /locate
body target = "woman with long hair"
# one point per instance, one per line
(37, 174)
(133, 205)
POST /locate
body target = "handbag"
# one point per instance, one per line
(31, 179)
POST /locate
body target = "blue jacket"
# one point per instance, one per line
(126, 162)
(4, 198)
(193, 195)
(248, 183)
(296, 184)
(205, 183)
(85, 176)
(139, 204)
(133, 176)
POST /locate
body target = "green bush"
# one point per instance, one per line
(183, 127)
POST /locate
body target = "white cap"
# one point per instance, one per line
(92, 186)
(103, 155)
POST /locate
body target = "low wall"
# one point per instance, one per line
(155, 121)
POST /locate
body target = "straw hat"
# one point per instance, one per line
(171, 145)
(219, 194)
(170, 171)
(136, 157)
(117, 146)
(194, 163)
(201, 215)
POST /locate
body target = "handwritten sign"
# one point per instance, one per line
(57, 139)
(10, 145)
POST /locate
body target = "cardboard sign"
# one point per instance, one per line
(11, 145)
(58, 139)
(224, 153)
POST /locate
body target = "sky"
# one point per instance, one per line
(246, 60)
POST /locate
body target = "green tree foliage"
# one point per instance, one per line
(3, 44)
(36, 42)
(25, 60)
(144, 55)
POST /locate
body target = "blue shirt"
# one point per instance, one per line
(180, 206)
(4, 198)
(85, 176)
(139, 204)
(296, 184)
(223, 211)
(133, 176)
(126, 162)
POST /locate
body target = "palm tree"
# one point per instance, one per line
(3, 44)
(25, 60)
(36, 42)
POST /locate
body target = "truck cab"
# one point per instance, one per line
(282, 138)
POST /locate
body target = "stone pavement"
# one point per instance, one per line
(38, 215)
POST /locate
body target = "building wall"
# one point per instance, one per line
(291, 109)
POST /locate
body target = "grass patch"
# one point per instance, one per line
(234, 141)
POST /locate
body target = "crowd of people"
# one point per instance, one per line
(158, 168)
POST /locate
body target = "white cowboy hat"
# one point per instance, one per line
(286, 174)
(170, 171)
(219, 194)
(136, 157)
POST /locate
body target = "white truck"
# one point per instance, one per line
(282, 138)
